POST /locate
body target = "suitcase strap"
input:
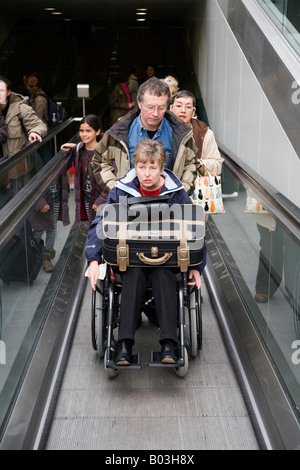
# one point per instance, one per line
(122, 255)
(183, 256)
(183, 252)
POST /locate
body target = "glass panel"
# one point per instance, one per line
(286, 15)
(17, 177)
(265, 263)
(27, 287)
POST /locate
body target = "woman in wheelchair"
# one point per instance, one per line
(148, 178)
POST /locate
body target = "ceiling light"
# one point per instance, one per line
(141, 13)
(56, 13)
(141, 19)
(49, 9)
(142, 9)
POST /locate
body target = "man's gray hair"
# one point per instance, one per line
(154, 86)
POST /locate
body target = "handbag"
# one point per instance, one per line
(253, 206)
(208, 193)
(262, 217)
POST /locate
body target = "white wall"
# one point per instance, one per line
(238, 110)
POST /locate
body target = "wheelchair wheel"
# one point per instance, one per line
(195, 322)
(98, 326)
(182, 371)
(110, 372)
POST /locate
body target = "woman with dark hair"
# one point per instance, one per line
(151, 69)
(183, 105)
(88, 194)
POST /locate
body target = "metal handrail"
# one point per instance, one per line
(8, 162)
(16, 210)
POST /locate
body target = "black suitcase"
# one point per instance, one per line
(21, 258)
(153, 234)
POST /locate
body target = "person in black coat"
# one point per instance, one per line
(3, 130)
(3, 137)
(42, 221)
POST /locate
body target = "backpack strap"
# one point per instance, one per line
(79, 146)
(42, 94)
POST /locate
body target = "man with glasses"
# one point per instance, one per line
(184, 106)
(151, 119)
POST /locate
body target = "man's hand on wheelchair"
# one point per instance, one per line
(94, 273)
(194, 278)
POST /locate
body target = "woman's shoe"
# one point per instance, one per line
(47, 265)
(123, 352)
(261, 297)
(168, 352)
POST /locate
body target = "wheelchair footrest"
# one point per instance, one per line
(155, 361)
(135, 363)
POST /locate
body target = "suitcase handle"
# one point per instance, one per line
(154, 261)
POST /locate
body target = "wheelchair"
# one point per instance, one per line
(144, 232)
(105, 313)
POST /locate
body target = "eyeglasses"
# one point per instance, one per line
(149, 107)
(188, 107)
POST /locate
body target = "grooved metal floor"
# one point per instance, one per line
(152, 408)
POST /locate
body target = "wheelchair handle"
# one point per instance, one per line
(154, 261)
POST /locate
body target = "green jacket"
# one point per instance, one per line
(20, 120)
(118, 104)
(111, 158)
(133, 85)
